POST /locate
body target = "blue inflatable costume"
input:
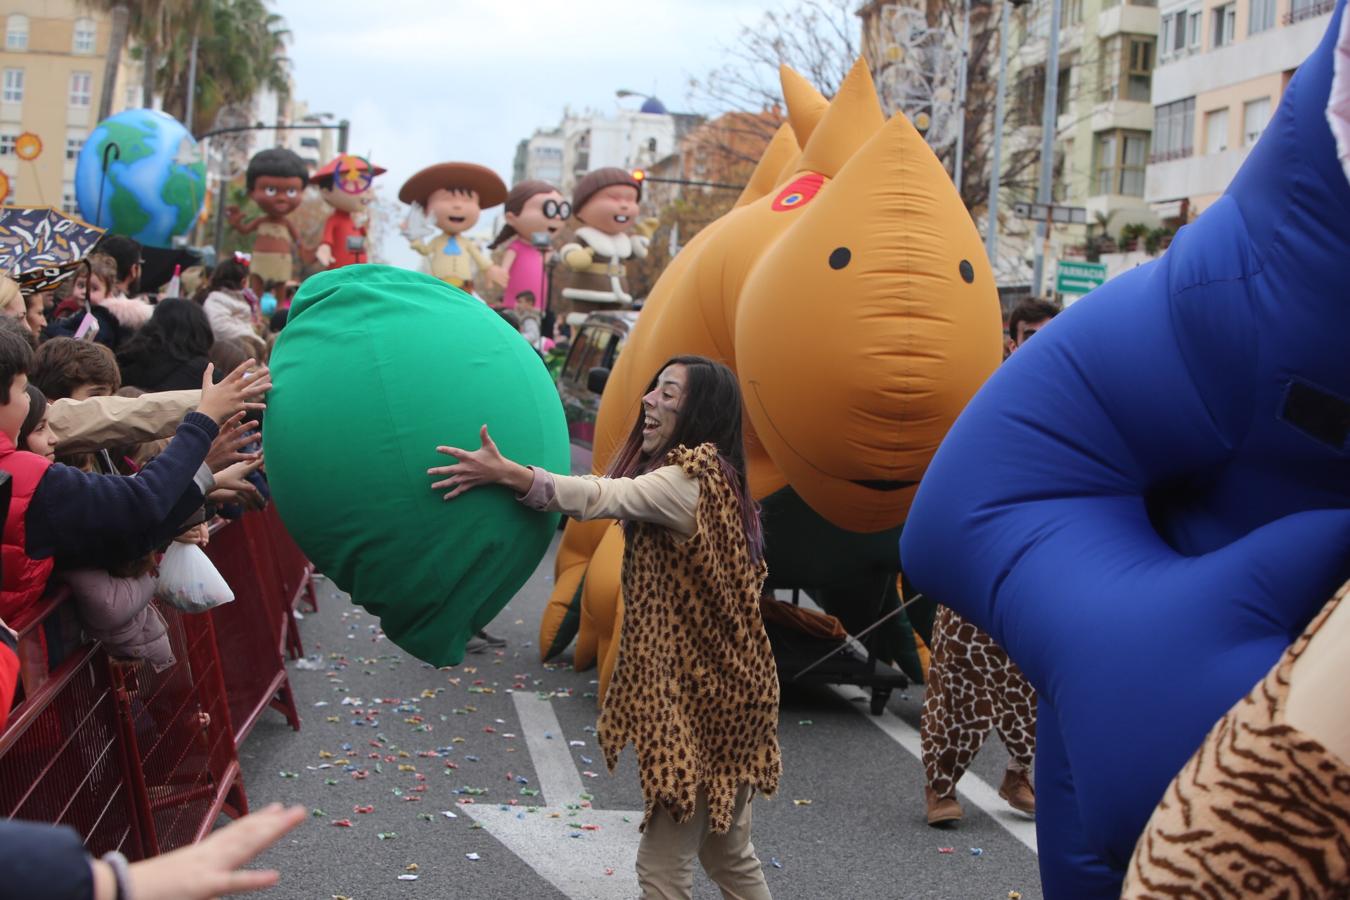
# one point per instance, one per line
(1151, 500)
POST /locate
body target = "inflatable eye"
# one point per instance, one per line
(799, 193)
(967, 272)
(840, 257)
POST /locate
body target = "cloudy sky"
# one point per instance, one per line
(425, 82)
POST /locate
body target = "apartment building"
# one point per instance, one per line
(52, 65)
(1222, 67)
(1108, 51)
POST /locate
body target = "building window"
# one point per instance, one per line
(1224, 25)
(1179, 33)
(1143, 2)
(1216, 130)
(7, 140)
(1121, 159)
(81, 89)
(1174, 130)
(1139, 70)
(13, 89)
(85, 34)
(1255, 115)
(16, 33)
(73, 147)
(1126, 68)
(1307, 9)
(1071, 13)
(1063, 92)
(1260, 16)
(1030, 96)
(69, 206)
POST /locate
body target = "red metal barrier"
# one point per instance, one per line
(251, 631)
(140, 761)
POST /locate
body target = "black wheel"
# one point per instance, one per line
(880, 696)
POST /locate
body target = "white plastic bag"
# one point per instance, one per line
(188, 580)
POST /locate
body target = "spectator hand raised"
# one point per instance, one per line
(238, 390)
(226, 449)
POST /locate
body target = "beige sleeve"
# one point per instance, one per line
(667, 497)
(82, 426)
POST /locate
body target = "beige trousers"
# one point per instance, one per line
(665, 860)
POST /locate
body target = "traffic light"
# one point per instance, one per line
(639, 175)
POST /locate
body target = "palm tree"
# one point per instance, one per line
(241, 51)
(117, 41)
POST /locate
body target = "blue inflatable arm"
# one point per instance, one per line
(1150, 500)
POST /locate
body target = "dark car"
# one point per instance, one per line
(594, 350)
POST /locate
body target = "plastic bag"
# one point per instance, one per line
(189, 581)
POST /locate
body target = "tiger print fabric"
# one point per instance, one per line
(973, 688)
(695, 688)
(1261, 811)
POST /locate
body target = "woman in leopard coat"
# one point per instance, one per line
(695, 689)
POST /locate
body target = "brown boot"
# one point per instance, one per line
(941, 810)
(1016, 789)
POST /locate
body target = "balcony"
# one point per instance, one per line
(1308, 11)
(1128, 114)
(1192, 176)
(1128, 18)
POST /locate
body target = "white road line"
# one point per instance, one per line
(971, 787)
(559, 781)
(598, 864)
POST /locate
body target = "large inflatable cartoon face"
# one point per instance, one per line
(543, 213)
(376, 367)
(454, 211)
(612, 209)
(876, 311)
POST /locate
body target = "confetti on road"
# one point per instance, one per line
(407, 878)
(387, 835)
(806, 722)
(773, 861)
(976, 851)
(473, 856)
(946, 849)
(801, 802)
(342, 823)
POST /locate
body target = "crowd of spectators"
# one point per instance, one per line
(129, 418)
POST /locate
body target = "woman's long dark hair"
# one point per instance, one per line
(710, 414)
(178, 329)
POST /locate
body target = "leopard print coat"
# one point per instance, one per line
(695, 688)
(1260, 811)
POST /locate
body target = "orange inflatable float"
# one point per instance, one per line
(849, 290)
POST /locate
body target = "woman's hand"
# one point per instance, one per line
(485, 465)
(234, 435)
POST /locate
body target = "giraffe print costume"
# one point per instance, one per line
(973, 688)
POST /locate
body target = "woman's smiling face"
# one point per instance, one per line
(661, 408)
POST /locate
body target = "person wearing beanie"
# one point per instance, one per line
(453, 195)
(605, 202)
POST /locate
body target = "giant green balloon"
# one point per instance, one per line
(375, 368)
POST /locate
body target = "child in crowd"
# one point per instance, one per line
(114, 605)
(229, 310)
(60, 514)
(529, 316)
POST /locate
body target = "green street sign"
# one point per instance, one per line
(1079, 277)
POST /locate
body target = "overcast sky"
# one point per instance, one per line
(425, 82)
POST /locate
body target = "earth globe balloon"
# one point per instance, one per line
(155, 180)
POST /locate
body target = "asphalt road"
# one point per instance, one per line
(421, 744)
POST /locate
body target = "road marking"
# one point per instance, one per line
(559, 781)
(971, 786)
(542, 840)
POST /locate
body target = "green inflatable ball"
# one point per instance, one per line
(376, 367)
